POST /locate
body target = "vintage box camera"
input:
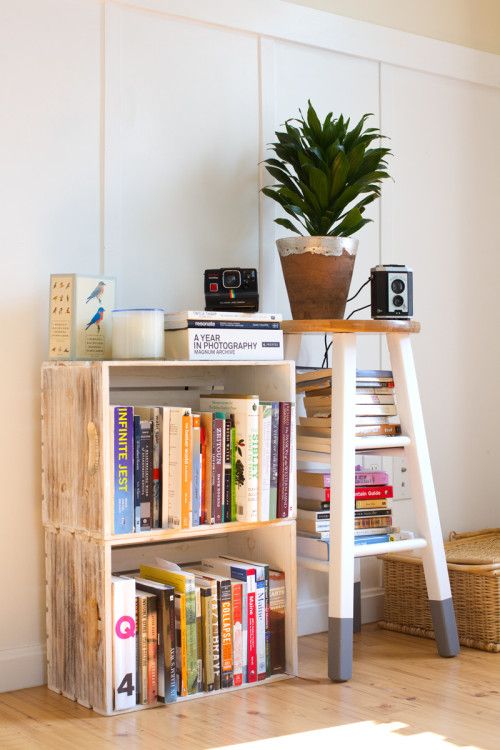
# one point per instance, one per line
(231, 289)
(391, 292)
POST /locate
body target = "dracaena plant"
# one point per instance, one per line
(326, 175)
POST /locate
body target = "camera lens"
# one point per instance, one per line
(231, 279)
(397, 286)
(398, 301)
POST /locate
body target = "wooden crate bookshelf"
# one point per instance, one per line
(81, 549)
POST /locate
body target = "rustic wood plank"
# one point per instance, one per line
(73, 469)
(351, 326)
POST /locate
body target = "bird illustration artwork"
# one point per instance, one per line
(97, 293)
(96, 320)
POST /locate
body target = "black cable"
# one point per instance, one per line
(360, 288)
(357, 310)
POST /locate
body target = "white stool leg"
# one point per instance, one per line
(424, 495)
(342, 463)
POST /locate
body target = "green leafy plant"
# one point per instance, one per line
(322, 169)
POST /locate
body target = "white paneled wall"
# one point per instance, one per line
(131, 135)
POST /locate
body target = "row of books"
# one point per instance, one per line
(174, 468)
(181, 630)
(231, 335)
(373, 520)
(376, 410)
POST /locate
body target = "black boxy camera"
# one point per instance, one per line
(231, 289)
(391, 292)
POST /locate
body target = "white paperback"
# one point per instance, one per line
(180, 319)
(246, 422)
(175, 466)
(224, 343)
(124, 657)
(265, 419)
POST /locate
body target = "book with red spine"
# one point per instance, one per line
(285, 416)
(374, 493)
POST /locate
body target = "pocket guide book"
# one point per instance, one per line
(80, 316)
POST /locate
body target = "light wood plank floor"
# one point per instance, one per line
(402, 695)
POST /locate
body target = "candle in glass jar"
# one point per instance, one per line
(138, 333)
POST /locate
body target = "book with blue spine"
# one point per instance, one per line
(122, 436)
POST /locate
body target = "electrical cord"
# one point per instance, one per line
(360, 288)
(324, 363)
(357, 310)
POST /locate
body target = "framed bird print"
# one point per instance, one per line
(80, 316)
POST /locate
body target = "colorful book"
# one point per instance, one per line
(122, 436)
(178, 468)
(227, 466)
(185, 602)
(141, 598)
(146, 474)
(366, 504)
(207, 514)
(237, 614)
(246, 423)
(218, 432)
(265, 437)
(124, 643)
(273, 479)
(196, 470)
(165, 465)
(284, 457)
(137, 473)
(165, 609)
(199, 637)
(277, 602)
(206, 634)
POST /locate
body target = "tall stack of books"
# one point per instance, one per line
(376, 410)
(372, 506)
(181, 630)
(174, 467)
(209, 335)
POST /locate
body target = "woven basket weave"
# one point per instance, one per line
(474, 568)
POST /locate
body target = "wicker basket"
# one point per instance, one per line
(474, 568)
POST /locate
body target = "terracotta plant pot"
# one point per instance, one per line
(318, 273)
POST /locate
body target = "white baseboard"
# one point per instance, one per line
(22, 667)
(312, 615)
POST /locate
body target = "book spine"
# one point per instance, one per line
(284, 458)
(374, 493)
(137, 473)
(203, 474)
(235, 324)
(170, 652)
(247, 461)
(273, 479)
(196, 470)
(251, 628)
(143, 648)
(199, 640)
(186, 497)
(265, 427)
(207, 515)
(371, 477)
(226, 635)
(234, 503)
(191, 643)
(226, 516)
(156, 475)
(152, 648)
(277, 621)
(260, 604)
(181, 644)
(124, 644)
(123, 473)
(207, 638)
(225, 344)
(146, 474)
(216, 642)
(374, 539)
(165, 463)
(217, 467)
(367, 504)
(373, 522)
(374, 512)
(237, 599)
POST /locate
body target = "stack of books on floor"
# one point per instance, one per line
(376, 411)
(173, 468)
(182, 630)
(372, 506)
(209, 335)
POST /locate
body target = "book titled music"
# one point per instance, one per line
(122, 470)
(124, 643)
(246, 425)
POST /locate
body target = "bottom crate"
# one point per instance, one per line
(475, 589)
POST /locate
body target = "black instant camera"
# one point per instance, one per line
(231, 289)
(391, 292)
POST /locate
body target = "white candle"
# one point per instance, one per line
(138, 334)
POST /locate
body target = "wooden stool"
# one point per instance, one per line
(344, 444)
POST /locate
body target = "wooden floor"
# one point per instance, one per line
(402, 695)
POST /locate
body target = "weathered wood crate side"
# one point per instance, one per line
(75, 590)
(72, 426)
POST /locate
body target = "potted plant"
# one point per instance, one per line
(325, 176)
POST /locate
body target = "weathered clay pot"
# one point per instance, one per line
(318, 272)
